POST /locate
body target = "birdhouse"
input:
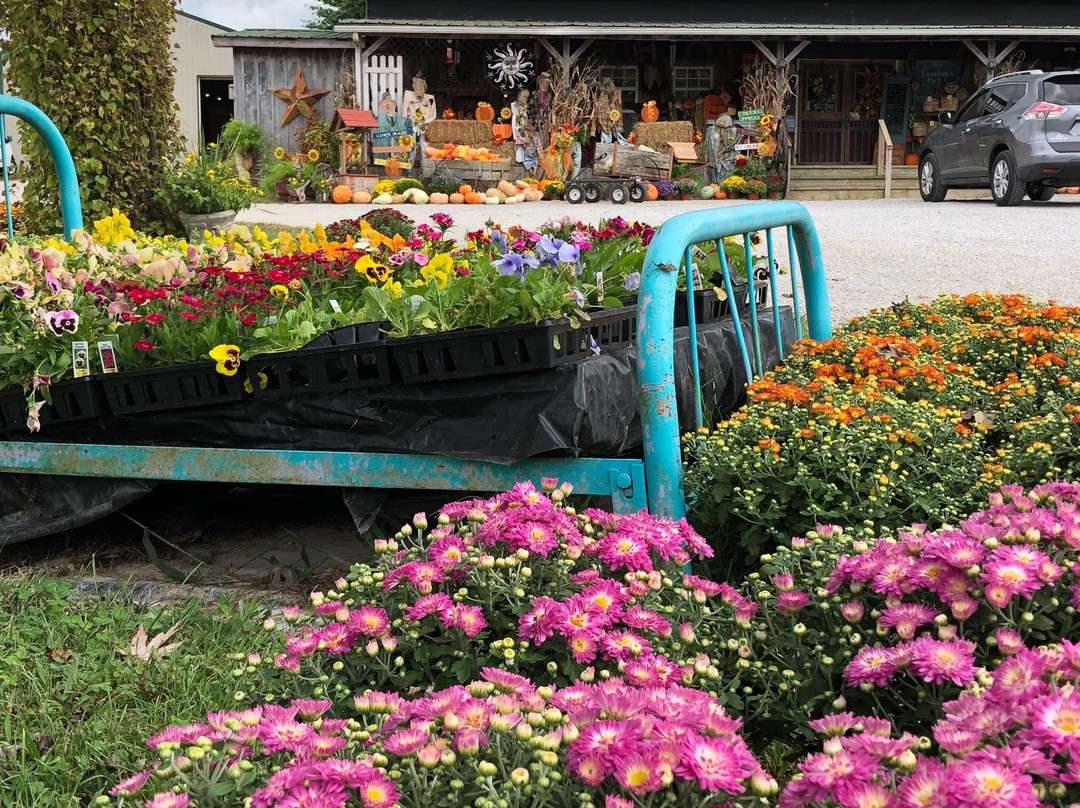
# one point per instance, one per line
(353, 127)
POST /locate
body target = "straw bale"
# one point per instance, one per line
(657, 135)
(463, 133)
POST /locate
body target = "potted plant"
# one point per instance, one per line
(687, 187)
(755, 189)
(734, 186)
(203, 191)
(279, 173)
(774, 186)
(243, 141)
(664, 189)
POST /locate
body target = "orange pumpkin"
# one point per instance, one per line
(485, 112)
(392, 167)
(465, 189)
(342, 194)
(457, 199)
(720, 194)
(473, 198)
(439, 199)
(650, 113)
(652, 193)
(911, 159)
(503, 130)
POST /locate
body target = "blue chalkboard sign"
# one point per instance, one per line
(896, 105)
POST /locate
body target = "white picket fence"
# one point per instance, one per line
(381, 74)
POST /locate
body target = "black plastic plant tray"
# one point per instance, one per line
(356, 334)
(475, 352)
(169, 388)
(12, 410)
(708, 308)
(73, 400)
(320, 370)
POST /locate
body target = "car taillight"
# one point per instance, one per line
(1044, 109)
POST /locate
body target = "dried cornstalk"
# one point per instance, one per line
(1013, 63)
(767, 87)
(345, 89)
(573, 101)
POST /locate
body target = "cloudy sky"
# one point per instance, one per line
(250, 13)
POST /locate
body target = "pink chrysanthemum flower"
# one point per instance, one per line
(872, 664)
(639, 673)
(1009, 641)
(618, 550)
(370, 621)
(606, 738)
(333, 639)
(988, 785)
(284, 734)
(696, 583)
(470, 619)
(892, 576)
(792, 602)
(590, 769)
(623, 645)
(963, 608)
(447, 553)
(906, 618)
(784, 581)
(428, 604)
(379, 792)
(925, 787)
(324, 746)
(166, 799)
(350, 773)
(694, 541)
(853, 611)
(936, 661)
(578, 616)
(638, 774)
(310, 709)
(833, 725)
(406, 742)
(959, 551)
(538, 624)
(827, 771)
(865, 795)
(615, 801)
(607, 597)
(956, 740)
(506, 682)
(716, 763)
(130, 786)
(1056, 720)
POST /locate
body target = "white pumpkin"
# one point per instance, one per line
(491, 200)
(382, 199)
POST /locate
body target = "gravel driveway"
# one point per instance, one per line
(877, 252)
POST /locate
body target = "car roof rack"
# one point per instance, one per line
(1017, 73)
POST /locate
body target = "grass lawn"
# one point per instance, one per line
(79, 704)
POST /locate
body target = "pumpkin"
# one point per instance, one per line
(911, 159)
(650, 113)
(457, 199)
(707, 192)
(430, 151)
(485, 112)
(533, 195)
(492, 200)
(502, 130)
(342, 194)
(361, 198)
(507, 188)
(397, 199)
(720, 194)
(465, 189)
(449, 147)
(652, 193)
(392, 167)
(473, 198)
(439, 199)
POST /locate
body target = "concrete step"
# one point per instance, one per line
(897, 193)
(853, 183)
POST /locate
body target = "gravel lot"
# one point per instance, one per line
(877, 252)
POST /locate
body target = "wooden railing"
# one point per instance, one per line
(885, 156)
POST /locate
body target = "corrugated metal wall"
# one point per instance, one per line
(258, 69)
(195, 57)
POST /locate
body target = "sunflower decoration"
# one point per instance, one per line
(505, 113)
(614, 115)
(313, 155)
(766, 124)
(280, 153)
(407, 141)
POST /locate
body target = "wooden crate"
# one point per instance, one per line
(629, 161)
(474, 170)
(358, 182)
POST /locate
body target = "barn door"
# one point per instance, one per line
(381, 74)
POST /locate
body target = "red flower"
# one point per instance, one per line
(187, 315)
(154, 319)
(247, 319)
(143, 345)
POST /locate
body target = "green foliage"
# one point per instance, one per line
(442, 185)
(387, 221)
(103, 73)
(330, 13)
(316, 135)
(238, 137)
(204, 182)
(405, 183)
(85, 704)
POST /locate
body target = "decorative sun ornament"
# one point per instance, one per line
(509, 67)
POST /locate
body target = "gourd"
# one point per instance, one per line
(457, 198)
(361, 198)
(439, 199)
(507, 188)
(342, 194)
(415, 195)
(465, 189)
(708, 191)
(491, 200)
(396, 199)
(473, 198)
(650, 112)
(532, 195)
(382, 199)
(652, 193)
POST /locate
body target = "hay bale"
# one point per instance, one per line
(463, 133)
(658, 135)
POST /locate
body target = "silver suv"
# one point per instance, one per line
(1020, 133)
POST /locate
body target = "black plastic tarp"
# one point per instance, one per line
(587, 408)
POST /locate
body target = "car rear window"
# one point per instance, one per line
(1063, 90)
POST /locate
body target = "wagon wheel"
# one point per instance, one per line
(593, 192)
(783, 155)
(575, 194)
(638, 192)
(619, 193)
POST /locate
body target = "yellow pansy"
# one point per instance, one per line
(227, 358)
(370, 269)
(279, 291)
(393, 287)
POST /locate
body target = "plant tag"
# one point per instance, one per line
(271, 320)
(80, 359)
(600, 283)
(335, 306)
(696, 275)
(108, 356)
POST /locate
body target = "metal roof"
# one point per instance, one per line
(282, 37)
(568, 28)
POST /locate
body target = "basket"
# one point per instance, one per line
(171, 387)
(320, 370)
(931, 104)
(919, 129)
(472, 352)
(950, 103)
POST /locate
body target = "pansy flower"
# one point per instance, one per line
(227, 358)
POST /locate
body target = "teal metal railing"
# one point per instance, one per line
(656, 308)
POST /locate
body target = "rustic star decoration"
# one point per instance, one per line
(299, 99)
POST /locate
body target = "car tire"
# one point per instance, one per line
(1005, 186)
(1041, 193)
(931, 188)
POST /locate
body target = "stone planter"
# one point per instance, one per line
(196, 223)
(281, 188)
